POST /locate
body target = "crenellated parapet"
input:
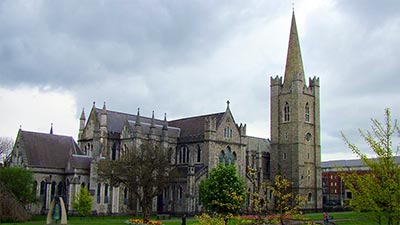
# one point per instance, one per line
(313, 84)
(276, 81)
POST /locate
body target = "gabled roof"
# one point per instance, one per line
(194, 126)
(47, 150)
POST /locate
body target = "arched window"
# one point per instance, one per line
(60, 189)
(198, 153)
(307, 112)
(234, 158)
(268, 165)
(183, 154)
(180, 195)
(35, 187)
(125, 196)
(124, 150)
(309, 197)
(53, 190)
(286, 112)
(228, 156)
(42, 189)
(222, 157)
(115, 151)
(106, 193)
(98, 192)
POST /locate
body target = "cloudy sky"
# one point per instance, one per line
(187, 58)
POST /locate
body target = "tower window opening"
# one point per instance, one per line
(286, 112)
(307, 112)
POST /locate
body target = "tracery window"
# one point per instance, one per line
(183, 154)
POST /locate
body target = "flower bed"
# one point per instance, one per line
(141, 222)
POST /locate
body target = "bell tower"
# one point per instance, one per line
(295, 126)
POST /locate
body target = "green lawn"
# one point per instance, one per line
(109, 220)
(341, 218)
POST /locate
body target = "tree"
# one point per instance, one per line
(258, 198)
(286, 204)
(223, 191)
(19, 182)
(6, 145)
(10, 209)
(145, 172)
(83, 202)
(378, 190)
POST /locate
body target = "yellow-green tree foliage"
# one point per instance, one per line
(283, 206)
(83, 202)
(287, 204)
(258, 198)
(378, 190)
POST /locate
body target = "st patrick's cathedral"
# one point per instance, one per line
(61, 166)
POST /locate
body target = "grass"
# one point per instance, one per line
(109, 220)
(341, 218)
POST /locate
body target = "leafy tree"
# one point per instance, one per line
(6, 145)
(377, 191)
(19, 182)
(223, 192)
(286, 204)
(258, 198)
(83, 202)
(10, 209)
(145, 171)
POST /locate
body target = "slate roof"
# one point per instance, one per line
(48, 150)
(116, 120)
(348, 163)
(145, 128)
(80, 161)
(194, 126)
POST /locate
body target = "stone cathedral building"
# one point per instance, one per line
(62, 166)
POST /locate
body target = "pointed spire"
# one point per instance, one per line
(138, 117)
(165, 126)
(51, 128)
(104, 107)
(83, 117)
(152, 125)
(294, 64)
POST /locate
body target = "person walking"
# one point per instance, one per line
(184, 219)
(326, 218)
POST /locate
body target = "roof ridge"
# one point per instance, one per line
(47, 134)
(200, 116)
(126, 114)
